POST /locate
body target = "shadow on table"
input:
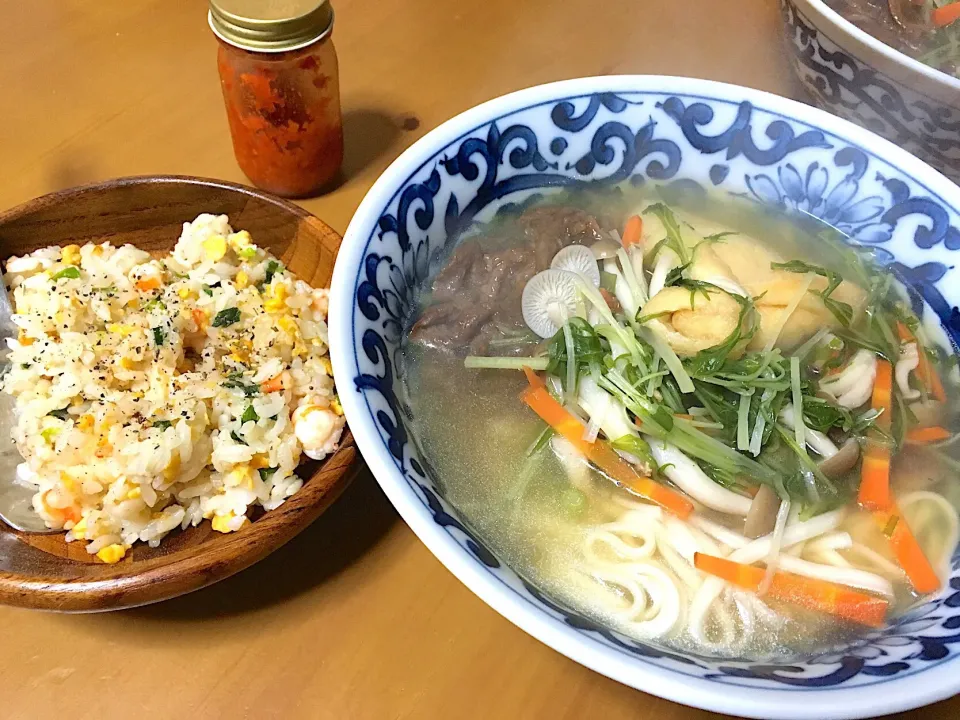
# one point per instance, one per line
(352, 526)
(368, 134)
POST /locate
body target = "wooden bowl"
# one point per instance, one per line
(43, 571)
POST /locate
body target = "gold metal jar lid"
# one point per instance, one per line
(270, 25)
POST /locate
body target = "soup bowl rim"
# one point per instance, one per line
(761, 702)
(889, 53)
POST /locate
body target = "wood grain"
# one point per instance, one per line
(354, 618)
(43, 571)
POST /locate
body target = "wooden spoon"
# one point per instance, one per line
(16, 500)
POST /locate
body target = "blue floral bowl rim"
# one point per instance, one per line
(844, 26)
(929, 685)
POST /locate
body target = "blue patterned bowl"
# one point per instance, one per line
(855, 76)
(689, 135)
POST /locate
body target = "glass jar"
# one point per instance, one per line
(278, 72)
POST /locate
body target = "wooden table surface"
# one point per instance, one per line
(354, 618)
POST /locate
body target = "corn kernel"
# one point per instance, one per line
(134, 494)
(221, 523)
(67, 481)
(240, 240)
(50, 434)
(119, 329)
(112, 553)
(289, 325)
(173, 469)
(241, 280)
(214, 247)
(277, 300)
(85, 422)
(71, 255)
(184, 293)
(80, 529)
(238, 476)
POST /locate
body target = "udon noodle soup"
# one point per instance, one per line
(713, 428)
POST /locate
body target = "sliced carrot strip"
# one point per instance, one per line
(533, 378)
(146, 284)
(200, 318)
(61, 514)
(827, 597)
(945, 15)
(601, 454)
(875, 472)
(632, 231)
(274, 384)
(907, 550)
(927, 435)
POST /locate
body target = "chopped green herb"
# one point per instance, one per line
(636, 446)
(842, 311)
(226, 317)
(588, 348)
(248, 390)
(675, 275)
(574, 502)
(249, 415)
(162, 424)
(712, 359)
(723, 478)
(159, 336)
(154, 304)
(207, 290)
(50, 433)
(273, 267)
(540, 441)
(71, 272)
(61, 414)
(267, 473)
(237, 438)
(718, 237)
(670, 224)
(643, 319)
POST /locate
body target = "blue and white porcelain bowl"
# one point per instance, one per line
(691, 135)
(854, 75)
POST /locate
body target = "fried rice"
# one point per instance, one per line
(152, 393)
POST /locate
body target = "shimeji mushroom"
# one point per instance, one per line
(605, 249)
(580, 260)
(549, 299)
